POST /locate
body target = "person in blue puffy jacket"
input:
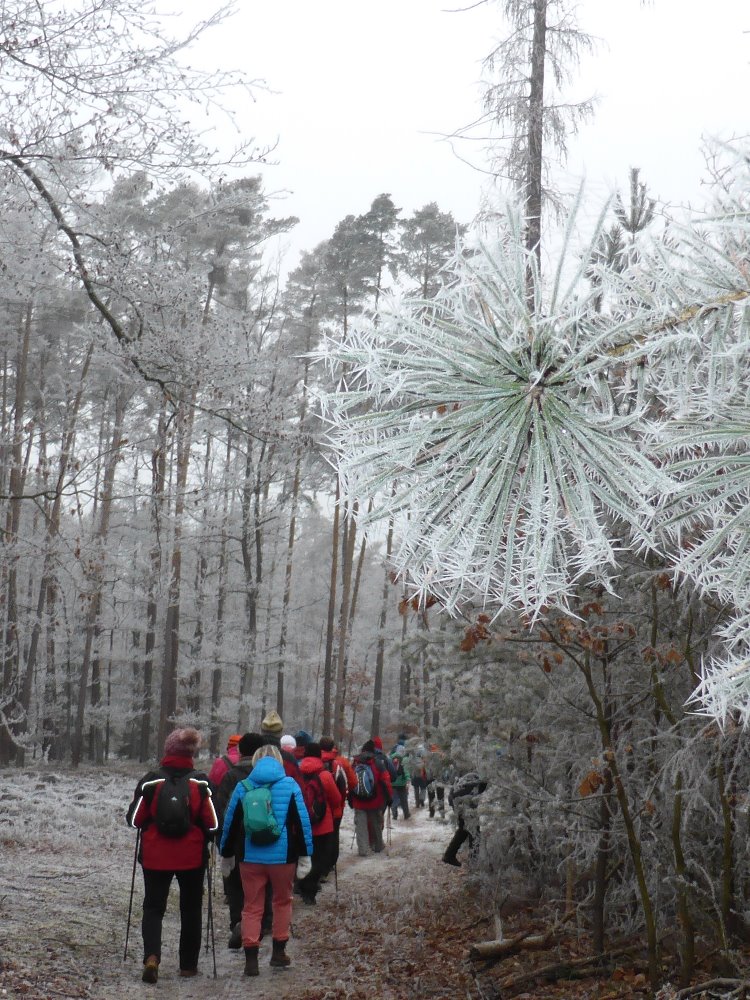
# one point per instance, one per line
(273, 863)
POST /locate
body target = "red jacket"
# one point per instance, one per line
(173, 853)
(222, 764)
(314, 765)
(334, 759)
(383, 790)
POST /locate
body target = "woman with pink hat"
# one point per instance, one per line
(172, 808)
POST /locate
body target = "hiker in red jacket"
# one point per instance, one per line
(371, 796)
(343, 775)
(323, 800)
(174, 844)
(222, 764)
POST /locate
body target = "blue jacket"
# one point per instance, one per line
(289, 809)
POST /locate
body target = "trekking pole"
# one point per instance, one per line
(210, 914)
(132, 890)
(336, 880)
(388, 825)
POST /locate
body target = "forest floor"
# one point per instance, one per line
(398, 926)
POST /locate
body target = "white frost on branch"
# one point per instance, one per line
(522, 434)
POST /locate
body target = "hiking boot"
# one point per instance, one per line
(235, 938)
(279, 957)
(188, 973)
(449, 860)
(150, 969)
(251, 961)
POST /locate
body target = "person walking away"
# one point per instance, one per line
(301, 738)
(233, 893)
(464, 797)
(269, 809)
(222, 764)
(400, 785)
(383, 759)
(370, 797)
(415, 765)
(288, 746)
(343, 775)
(173, 809)
(324, 801)
(271, 729)
(436, 769)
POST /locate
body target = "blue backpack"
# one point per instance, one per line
(365, 786)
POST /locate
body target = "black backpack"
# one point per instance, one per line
(172, 815)
(339, 776)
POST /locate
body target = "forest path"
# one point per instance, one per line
(396, 930)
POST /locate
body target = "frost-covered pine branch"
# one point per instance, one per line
(531, 438)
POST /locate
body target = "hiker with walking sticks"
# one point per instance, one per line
(173, 811)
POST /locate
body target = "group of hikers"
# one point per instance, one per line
(273, 803)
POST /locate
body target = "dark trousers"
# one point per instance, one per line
(333, 856)
(400, 798)
(433, 792)
(156, 885)
(457, 840)
(320, 864)
(234, 895)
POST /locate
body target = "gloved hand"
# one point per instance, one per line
(227, 864)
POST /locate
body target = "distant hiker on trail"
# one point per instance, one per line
(464, 797)
(343, 775)
(271, 729)
(233, 893)
(383, 759)
(324, 802)
(301, 738)
(414, 763)
(173, 809)
(369, 798)
(222, 764)
(438, 774)
(400, 785)
(268, 807)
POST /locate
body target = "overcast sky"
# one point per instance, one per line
(362, 92)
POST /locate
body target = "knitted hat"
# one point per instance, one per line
(368, 747)
(233, 740)
(272, 724)
(302, 738)
(182, 743)
(249, 743)
(288, 742)
(313, 750)
(377, 743)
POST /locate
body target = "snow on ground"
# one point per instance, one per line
(398, 927)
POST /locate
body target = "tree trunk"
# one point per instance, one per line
(97, 574)
(535, 139)
(377, 687)
(47, 584)
(185, 419)
(158, 479)
(16, 480)
(331, 617)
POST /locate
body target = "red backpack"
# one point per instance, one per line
(315, 797)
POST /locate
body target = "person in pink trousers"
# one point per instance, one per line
(274, 862)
